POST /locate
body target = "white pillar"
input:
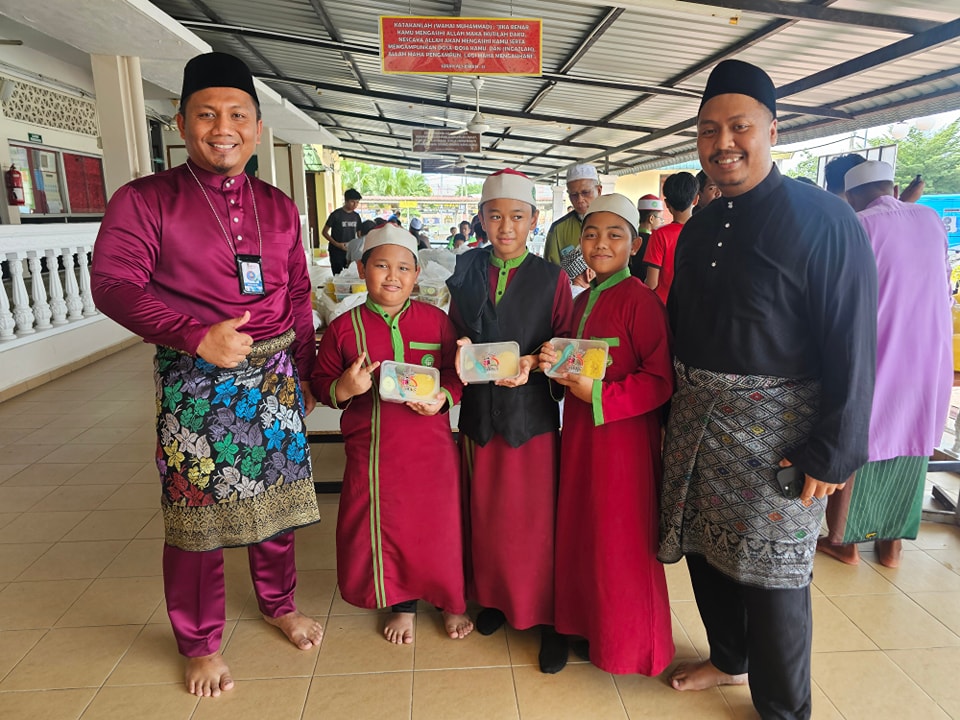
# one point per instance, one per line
(58, 306)
(266, 161)
(299, 172)
(22, 313)
(559, 201)
(86, 295)
(74, 302)
(41, 308)
(123, 121)
(6, 317)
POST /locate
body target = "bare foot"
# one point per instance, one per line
(458, 625)
(889, 552)
(844, 553)
(399, 628)
(702, 675)
(207, 676)
(302, 631)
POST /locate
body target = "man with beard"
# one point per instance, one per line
(773, 309)
(207, 263)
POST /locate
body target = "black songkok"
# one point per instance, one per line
(735, 76)
(216, 69)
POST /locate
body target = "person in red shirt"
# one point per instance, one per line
(680, 193)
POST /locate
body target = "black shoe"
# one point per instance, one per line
(581, 648)
(489, 621)
(553, 650)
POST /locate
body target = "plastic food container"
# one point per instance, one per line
(342, 287)
(579, 357)
(438, 300)
(487, 362)
(429, 288)
(402, 382)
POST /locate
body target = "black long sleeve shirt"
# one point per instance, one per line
(782, 281)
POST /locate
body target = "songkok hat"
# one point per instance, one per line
(649, 202)
(583, 172)
(416, 224)
(618, 205)
(736, 76)
(508, 184)
(870, 171)
(390, 234)
(216, 69)
(572, 262)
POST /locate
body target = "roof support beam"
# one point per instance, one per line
(802, 11)
(922, 42)
(771, 28)
(405, 100)
(332, 31)
(588, 40)
(940, 35)
(260, 34)
(414, 123)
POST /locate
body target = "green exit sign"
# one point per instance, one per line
(35, 137)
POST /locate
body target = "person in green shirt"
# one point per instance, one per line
(583, 185)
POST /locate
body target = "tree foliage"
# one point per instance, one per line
(934, 154)
(381, 180)
(467, 189)
(807, 167)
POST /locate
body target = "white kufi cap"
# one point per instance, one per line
(870, 171)
(508, 184)
(389, 234)
(583, 172)
(649, 202)
(618, 205)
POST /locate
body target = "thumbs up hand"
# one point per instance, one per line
(224, 345)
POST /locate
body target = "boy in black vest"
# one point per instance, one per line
(509, 429)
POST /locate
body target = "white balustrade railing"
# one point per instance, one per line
(56, 297)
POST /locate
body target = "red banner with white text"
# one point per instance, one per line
(460, 46)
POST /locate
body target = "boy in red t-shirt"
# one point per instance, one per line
(680, 195)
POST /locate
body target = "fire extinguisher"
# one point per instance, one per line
(15, 194)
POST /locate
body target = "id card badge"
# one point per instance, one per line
(250, 272)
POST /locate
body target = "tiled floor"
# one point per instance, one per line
(83, 631)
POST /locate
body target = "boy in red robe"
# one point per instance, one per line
(610, 588)
(399, 529)
(509, 429)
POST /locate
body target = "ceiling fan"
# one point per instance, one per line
(460, 162)
(481, 123)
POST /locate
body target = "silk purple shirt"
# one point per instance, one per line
(911, 396)
(162, 267)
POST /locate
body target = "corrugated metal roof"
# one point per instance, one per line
(612, 97)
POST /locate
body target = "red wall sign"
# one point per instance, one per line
(460, 46)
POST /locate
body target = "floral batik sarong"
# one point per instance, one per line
(725, 438)
(232, 448)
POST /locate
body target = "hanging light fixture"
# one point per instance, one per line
(925, 124)
(899, 130)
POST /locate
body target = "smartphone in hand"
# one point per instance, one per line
(790, 481)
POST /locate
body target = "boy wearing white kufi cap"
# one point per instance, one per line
(611, 544)
(415, 487)
(583, 185)
(649, 207)
(510, 433)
